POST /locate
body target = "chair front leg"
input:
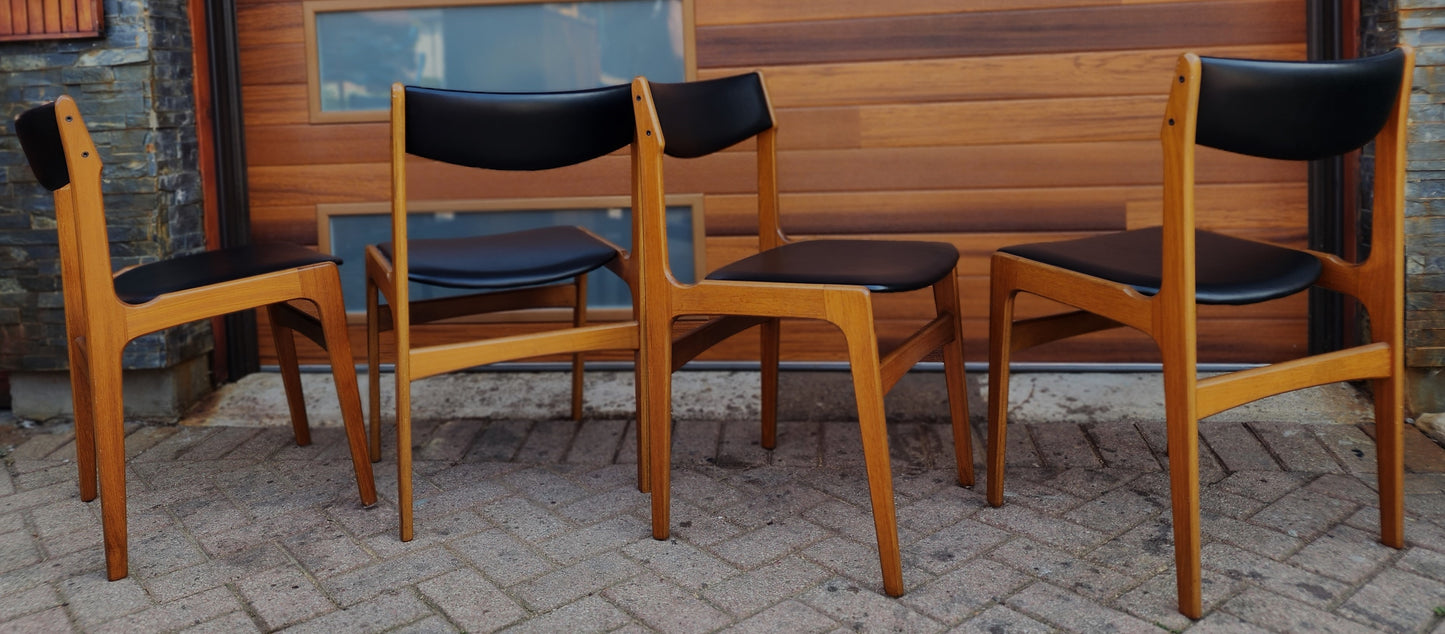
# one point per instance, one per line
(1000, 342)
(853, 314)
(326, 293)
(285, 341)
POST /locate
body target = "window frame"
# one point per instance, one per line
(310, 8)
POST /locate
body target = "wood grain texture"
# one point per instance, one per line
(1022, 76)
(763, 11)
(1041, 123)
(1181, 25)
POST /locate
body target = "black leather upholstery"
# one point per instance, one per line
(517, 131)
(1228, 270)
(146, 282)
(702, 117)
(521, 258)
(40, 138)
(1295, 110)
(882, 266)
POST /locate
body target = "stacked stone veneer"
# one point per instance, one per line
(1421, 24)
(133, 87)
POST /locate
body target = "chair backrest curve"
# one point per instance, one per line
(702, 117)
(1295, 110)
(39, 136)
(517, 131)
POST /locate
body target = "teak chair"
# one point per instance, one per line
(1152, 279)
(829, 280)
(104, 312)
(536, 268)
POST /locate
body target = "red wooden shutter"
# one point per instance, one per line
(49, 19)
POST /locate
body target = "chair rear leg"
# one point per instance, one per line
(403, 444)
(327, 296)
(855, 319)
(644, 447)
(945, 300)
(1000, 339)
(655, 412)
(290, 376)
(1183, 431)
(84, 420)
(107, 413)
(579, 319)
(1390, 458)
(373, 367)
(771, 335)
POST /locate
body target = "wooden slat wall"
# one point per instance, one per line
(977, 122)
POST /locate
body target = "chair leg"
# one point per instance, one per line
(327, 295)
(771, 334)
(1183, 432)
(656, 414)
(403, 443)
(856, 322)
(373, 367)
(945, 299)
(290, 376)
(1390, 458)
(1000, 339)
(644, 447)
(84, 421)
(579, 319)
(107, 407)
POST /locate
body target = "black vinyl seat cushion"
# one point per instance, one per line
(1227, 270)
(507, 260)
(881, 266)
(148, 281)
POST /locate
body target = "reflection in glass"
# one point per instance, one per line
(351, 233)
(500, 48)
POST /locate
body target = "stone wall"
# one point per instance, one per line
(134, 88)
(1420, 23)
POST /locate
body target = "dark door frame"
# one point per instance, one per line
(1330, 33)
(229, 225)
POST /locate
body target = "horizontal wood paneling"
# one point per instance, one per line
(976, 122)
(1094, 74)
(1153, 25)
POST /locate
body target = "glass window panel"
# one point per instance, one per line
(351, 233)
(498, 47)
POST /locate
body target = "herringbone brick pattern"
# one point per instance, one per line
(537, 526)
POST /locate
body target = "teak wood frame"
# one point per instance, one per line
(98, 327)
(1169, 317)
(310, 8)
(389, 277)
(740, 305)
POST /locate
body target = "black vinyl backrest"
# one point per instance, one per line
(702, 117)
(517, 131)
(40, 138)
(1295, 110)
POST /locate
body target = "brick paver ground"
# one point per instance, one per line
(537, 527)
